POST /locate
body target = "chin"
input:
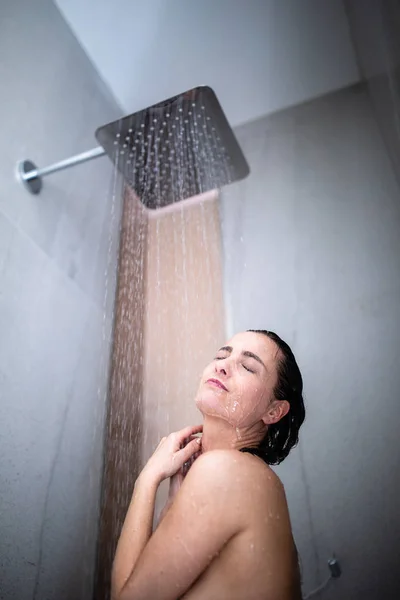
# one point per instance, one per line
(210, 404)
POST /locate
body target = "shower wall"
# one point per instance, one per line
(312, 250)
(55, 250)
(374, 27)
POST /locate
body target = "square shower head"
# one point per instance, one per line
(175, 149)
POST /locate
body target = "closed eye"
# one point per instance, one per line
(247, 369)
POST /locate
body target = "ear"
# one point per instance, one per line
(276, 411)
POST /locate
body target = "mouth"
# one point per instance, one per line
(217, 383)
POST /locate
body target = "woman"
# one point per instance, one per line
(225, 532)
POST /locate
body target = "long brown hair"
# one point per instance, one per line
(282, 436)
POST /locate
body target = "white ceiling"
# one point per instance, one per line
(258, 55)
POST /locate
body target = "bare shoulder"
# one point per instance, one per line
(233, 471)
(217, 467)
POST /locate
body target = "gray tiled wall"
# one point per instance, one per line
(312, 250)
(57, 255)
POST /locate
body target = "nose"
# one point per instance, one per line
(222, 366)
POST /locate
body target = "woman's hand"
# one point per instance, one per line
(176, 480)
(170, 455)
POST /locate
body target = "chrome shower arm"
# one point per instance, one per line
(65, 164)
(176, 149)
(31, 176)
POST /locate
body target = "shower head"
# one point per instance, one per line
(176, 149)
(171, 151)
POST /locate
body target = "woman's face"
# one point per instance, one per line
(238, 384)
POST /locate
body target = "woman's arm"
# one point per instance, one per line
(175, 482)
(136, 531)
(202, 519)
(167, 460)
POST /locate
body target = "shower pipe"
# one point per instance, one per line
(177, 149)
(31, 176)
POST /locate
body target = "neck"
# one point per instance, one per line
(218, 434)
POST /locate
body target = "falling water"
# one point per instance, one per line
(110, 279)
(168, 315)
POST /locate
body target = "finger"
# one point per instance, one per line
(189, 462)
(187, 440)
(188, 451)
(188, 431)
(161, 442)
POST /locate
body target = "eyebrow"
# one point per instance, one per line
(244, 353)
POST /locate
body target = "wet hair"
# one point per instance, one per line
(282, 436)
